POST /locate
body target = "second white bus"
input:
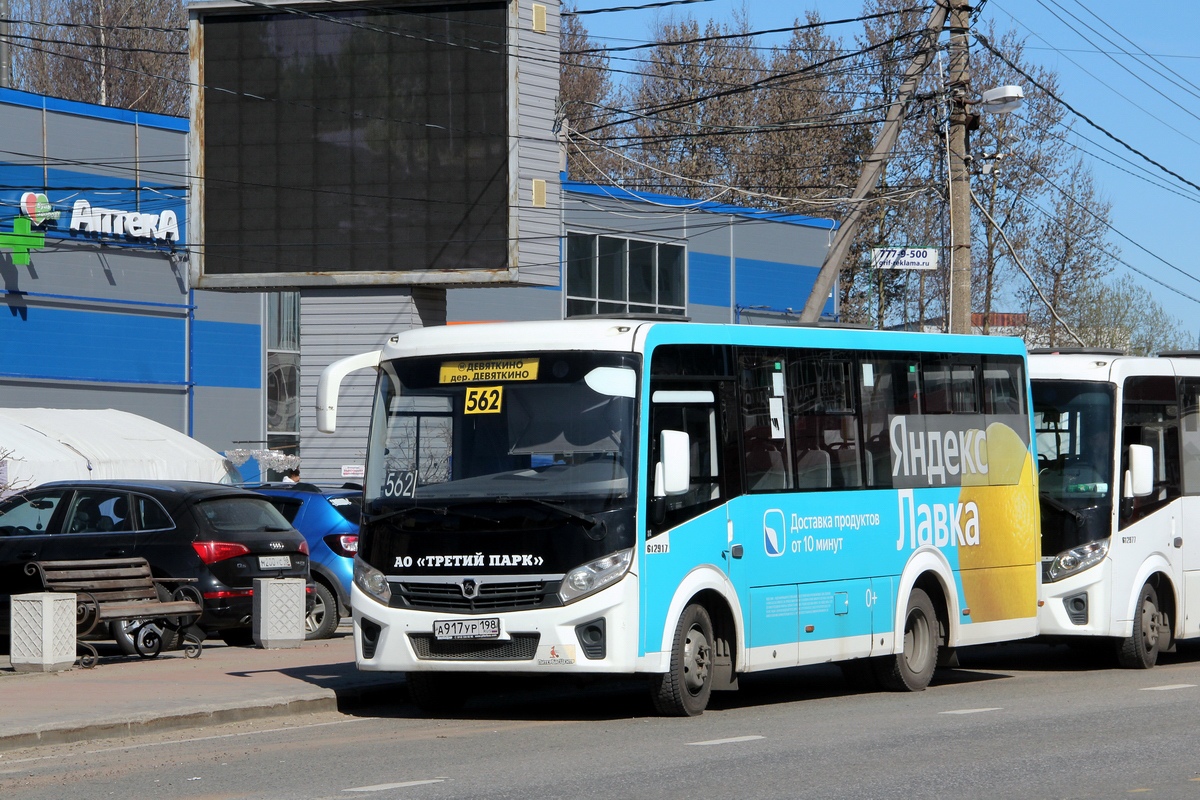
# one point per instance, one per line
(1118, 442)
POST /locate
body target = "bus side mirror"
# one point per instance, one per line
(673, 473)
(331, 381)
(1139, 479)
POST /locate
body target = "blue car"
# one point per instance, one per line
(328, 519)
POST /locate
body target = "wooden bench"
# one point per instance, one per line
(123, 589)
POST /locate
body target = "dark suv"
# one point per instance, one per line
(222, 536)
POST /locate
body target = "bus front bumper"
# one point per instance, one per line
(1079, 605)
(595, 634)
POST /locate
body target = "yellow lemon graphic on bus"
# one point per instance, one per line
(999, 575)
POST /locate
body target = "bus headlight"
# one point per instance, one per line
(596, 575)
(1077, 559)
(372, 582)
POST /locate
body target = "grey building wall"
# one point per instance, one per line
(340, 323)
(535, 90)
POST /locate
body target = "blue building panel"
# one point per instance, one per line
(60, 344)
(708, 279)
(227, 354)
(774, 286)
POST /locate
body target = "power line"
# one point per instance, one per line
(987, 44)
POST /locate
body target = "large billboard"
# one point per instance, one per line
(354, 144)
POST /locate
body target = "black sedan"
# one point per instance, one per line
(222, 536)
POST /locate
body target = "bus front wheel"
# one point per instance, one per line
(1140, 651)
(912, 669)
(683, 691)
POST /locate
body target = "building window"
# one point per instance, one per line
(612, 275)
(283, 372)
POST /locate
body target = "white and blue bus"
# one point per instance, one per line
(688, 501)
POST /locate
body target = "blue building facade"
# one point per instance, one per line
(97, 310)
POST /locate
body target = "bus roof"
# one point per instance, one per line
(630, 334)
(1108, 366)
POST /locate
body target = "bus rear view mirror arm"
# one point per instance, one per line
(672, 474)
(330, 384)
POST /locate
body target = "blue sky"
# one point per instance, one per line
(1154, 109)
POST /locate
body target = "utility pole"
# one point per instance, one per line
(873, 168)
(5, 57)
(960, 175)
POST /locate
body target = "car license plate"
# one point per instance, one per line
(274, 562)
(483, 628)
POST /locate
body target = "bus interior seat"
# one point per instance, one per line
(766, 469)
(813, 470)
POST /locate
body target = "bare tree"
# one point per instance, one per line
(124, 53)
(690, 112)
(1122, 315)
(1069, 257)
(587, 99)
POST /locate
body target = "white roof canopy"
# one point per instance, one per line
(50, 444)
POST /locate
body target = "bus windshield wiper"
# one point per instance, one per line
(1055, 503)
(565, 510)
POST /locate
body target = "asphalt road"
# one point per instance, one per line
(1023, 721)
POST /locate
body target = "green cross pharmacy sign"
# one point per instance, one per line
(22, 239)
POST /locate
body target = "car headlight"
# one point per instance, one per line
(1077, 559)
(592, 577)
(372, 582)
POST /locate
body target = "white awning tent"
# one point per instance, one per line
(38, 445)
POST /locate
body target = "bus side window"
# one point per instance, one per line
(1149, 413)
(699, 422)
(889, 387)
(765, 432)
(1189, 435)
(825, 441)
(1003, 386)
(949, 385)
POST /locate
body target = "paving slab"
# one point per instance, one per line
(127, 695)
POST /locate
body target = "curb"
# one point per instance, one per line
(104, 729)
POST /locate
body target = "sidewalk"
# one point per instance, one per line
(226, 684)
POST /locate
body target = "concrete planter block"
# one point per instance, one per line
(279, 612)
(42, 632)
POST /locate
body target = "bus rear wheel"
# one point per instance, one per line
(1140, 651)
(684, 690)
(912, 669)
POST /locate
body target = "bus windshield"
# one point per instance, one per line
(1074, 425)
(543, 426)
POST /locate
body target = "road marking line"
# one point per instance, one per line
(732, 740)
(1169, 687)
(970, 710)
(382, 787)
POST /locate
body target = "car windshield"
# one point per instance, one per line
(1074, 426)
(544, 426)
(241, 514)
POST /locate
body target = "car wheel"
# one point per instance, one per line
(120, 629)
(323, 619)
